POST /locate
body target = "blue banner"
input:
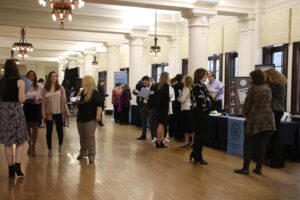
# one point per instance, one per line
(235, 135)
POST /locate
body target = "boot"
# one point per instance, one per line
(18, 169)
(11, 170)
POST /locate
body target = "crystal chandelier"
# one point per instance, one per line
(22, 47)
(62, 9)
(155, 50)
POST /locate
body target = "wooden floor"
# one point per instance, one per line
(127, 169)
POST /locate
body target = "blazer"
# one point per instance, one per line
(258, 111)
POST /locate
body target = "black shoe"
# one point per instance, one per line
(11, 170)
(242, 171)
(157, 145)
(100, 123)
(185, 146)
(18, 169)
(80, 157)
(141, 138)
(257, 171)
(202, 162)
(162, 145)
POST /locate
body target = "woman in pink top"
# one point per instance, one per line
(54, 108)
(116, 94)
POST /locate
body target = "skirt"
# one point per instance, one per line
(12, 123)
(32, 112)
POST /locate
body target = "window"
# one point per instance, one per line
(214, 65)
(157, 69)
(276, 55)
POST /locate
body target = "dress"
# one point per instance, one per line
(12, 118)
(162, 102)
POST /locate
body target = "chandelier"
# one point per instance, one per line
(155, 50)
(62, 9)
(22, 47)
(95, 63)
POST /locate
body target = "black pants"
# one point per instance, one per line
(124, 115)
(200, 122)
(259, 142)
(144, 113)
(59, 128)
(277, 158)
(177, 124)
(217, 105)
(116, 113)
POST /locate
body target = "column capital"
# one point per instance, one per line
(139, 32)
(198, 17)
(247, 22)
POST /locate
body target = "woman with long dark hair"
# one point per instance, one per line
(201, 101)
(54, 108)
(12, 118)
(125, 104)
(32, 110)
(260, 122)
(162, 103)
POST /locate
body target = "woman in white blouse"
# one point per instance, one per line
(185, 100)
(32, 110)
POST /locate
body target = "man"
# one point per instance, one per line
(216, 90)
(142, 100)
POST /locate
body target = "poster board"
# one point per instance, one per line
(238, 89)
(121, 77)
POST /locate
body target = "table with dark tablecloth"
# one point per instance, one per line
(217, 136)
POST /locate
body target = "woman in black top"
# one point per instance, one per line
(89, 111)
(162, 104)
(12, 118)
(200, 100)
(125, 104)
(101, 90)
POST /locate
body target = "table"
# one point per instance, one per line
(219, 134)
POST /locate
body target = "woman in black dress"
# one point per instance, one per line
(12, 118)
(162, 104)
(201, 101)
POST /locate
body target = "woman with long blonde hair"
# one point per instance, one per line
(277, 83)
(162, 104)
(185, 100)
(89, 112)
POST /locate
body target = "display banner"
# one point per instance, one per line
(121, 77)
(235, 135)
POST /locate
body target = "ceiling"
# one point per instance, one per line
(99, 23)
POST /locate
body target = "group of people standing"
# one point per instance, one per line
(157, 102)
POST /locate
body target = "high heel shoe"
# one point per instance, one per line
(11, 170)
(197, 161)
(18, 169)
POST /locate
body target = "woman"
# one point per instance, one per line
(32, 110)
(162, 104)
(116, 93)
(54, 108)
(125, 105)
(185, 100)
(277, 83)
(89, 112)
(12, 118)
(260, 121)
(201, 102)
(101, 89)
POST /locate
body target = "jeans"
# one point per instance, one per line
(59, 129)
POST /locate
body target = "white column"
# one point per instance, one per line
(198, 38)
(113, 66)
(88, 59)
(80, 64)
(174, 60)
(136, 58)
(247, 55)
(61, 73)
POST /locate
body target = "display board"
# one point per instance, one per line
(121, 77)
(238, 88)
(265, 67)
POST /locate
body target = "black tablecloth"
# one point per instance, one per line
(289, 133)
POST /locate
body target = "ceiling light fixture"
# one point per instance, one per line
(22, 47)
(155, 50)
(62, 9)
(95, 63)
